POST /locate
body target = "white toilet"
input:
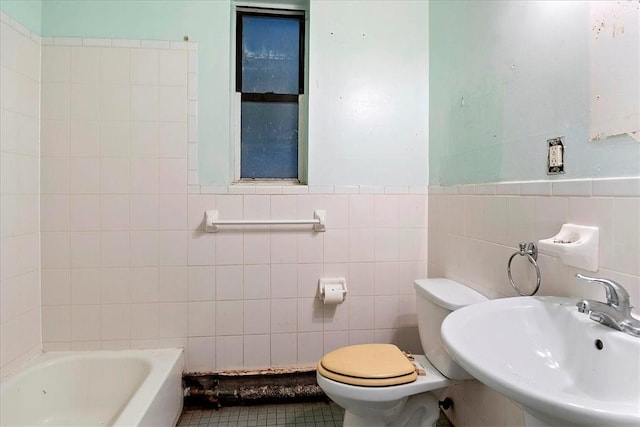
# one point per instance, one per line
(378, 385)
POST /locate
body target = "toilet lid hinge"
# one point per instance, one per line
(409, 355)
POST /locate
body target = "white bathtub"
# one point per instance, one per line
(95, 388)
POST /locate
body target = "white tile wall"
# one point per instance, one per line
(20, 331)
(473, 233)
(137, 268)
(526, 217)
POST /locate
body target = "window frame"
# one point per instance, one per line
(237, 97)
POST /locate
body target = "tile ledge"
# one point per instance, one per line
(589, 187)
(119, 43)
(299, 189)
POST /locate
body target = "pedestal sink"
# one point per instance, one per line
(564, 368)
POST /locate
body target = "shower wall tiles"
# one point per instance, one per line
(127, 264)
(19, 188)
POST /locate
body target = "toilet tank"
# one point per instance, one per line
(435, 299)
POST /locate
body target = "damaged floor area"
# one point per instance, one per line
(316, 414)
(274, 397)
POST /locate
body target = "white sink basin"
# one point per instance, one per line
(543, 353)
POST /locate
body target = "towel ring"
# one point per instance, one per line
(531, 252)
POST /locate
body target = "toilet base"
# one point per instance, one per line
(420, 410)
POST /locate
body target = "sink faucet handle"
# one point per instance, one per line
(616, 294)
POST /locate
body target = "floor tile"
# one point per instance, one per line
(313, 414)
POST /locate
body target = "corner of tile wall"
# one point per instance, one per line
(20, 325)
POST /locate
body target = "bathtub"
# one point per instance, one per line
(95, 388)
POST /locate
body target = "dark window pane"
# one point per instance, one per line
(270, 54)
(269, 140)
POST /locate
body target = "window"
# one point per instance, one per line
(270, 81)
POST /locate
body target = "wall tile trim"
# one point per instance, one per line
(20, 28)
(270, 189)
(600, 187)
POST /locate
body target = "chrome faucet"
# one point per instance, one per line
(616, 312)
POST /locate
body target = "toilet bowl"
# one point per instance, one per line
(378, 385)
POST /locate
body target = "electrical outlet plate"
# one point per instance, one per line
(555, 156)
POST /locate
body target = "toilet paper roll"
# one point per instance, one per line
(333, 294)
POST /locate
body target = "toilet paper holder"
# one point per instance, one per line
(332, 290)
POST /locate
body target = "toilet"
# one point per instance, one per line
(378, 384)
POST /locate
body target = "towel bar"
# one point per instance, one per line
(212, 222)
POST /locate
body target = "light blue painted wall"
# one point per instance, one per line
(26, 12)
(505, 77)
(501, 83)
(387, 147)
(368, 93)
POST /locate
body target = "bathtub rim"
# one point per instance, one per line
(164, 363)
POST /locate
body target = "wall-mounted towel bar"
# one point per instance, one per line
(212, 221)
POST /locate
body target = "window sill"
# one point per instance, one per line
(266, 181)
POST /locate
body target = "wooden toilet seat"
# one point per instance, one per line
(368, 365)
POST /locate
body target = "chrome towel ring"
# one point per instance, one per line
(531, 252)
